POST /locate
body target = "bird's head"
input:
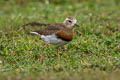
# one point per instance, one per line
(70, 22)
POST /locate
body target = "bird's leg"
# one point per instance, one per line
(42, 52)
(58, 53)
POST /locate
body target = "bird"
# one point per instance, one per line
(56, 34)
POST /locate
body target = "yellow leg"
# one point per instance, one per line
(42, 52)
(58, 53)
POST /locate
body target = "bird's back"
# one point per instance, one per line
(50, 29)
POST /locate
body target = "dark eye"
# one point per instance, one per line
(70, 21)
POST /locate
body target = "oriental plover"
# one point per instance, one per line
(58, 33)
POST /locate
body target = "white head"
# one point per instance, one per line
(70, 22)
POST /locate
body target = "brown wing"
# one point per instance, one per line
(33, 24)
(50, 29)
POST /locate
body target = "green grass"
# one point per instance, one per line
(94, 53)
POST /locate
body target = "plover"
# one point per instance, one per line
(58, 33)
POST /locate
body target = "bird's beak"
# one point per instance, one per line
(76, 25)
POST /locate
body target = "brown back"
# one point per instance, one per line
(50, 29)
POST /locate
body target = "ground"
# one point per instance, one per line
(93, 54)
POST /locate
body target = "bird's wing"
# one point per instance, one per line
(49, 29)
(34, 24)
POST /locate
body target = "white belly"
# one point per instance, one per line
(52, 39)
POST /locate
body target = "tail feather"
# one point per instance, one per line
(32, 32)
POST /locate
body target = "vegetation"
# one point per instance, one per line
(94, 53)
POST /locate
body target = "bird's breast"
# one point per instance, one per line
(67, 36)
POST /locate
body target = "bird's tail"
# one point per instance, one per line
(33, 32)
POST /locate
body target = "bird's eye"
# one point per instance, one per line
(69, 21)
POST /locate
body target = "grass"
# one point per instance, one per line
(94, 53)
